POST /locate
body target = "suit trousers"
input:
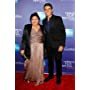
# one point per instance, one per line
(54, 55)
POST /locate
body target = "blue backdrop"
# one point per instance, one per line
(63, 8)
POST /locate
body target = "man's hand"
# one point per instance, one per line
(60, 49)
(22, 52)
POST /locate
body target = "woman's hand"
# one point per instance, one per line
(22, 52)
(26, 63)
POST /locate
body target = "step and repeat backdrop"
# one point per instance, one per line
(63, 8)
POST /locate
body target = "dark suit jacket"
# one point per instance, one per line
(25, 42)
(56, 35)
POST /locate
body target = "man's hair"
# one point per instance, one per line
(48, 4)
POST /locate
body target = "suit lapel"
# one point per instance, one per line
(29, 29)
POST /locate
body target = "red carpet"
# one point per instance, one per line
(68, 82)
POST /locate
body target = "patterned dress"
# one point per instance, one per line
(35, 68)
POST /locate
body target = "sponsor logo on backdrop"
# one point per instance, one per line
(68, 64)
(18, 32)
(17, 47)
(19, 63)
(41, 15)
(69, 16)
(40, 1)
(18, 16)
(67, 0)
(69, 49)
(69, 32)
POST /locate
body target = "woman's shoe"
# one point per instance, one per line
(28, 81)
(41, 82)
(38, 83)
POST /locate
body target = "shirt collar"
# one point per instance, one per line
(50, 17)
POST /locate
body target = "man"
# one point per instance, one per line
(54, 41)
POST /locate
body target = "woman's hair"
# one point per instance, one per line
(34, 14)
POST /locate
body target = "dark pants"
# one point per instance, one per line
(53, 54)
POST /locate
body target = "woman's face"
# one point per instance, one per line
(35, 20)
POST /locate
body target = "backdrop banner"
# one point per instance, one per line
(63, 8)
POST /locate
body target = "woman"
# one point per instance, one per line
(32, 48)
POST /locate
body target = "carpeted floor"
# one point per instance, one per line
(68, 83)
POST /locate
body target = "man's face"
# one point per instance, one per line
(48, 10)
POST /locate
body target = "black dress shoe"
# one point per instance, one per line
(48, 78)
(58, 81)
